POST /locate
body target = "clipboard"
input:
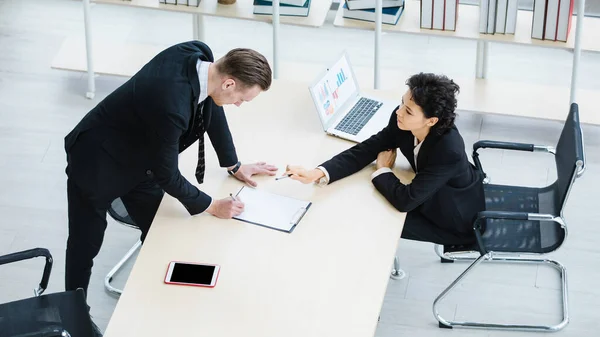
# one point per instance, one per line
(271, 210)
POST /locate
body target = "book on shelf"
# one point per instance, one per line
(367, 4)
(552, 19)
(193, 3)
(501, 10)
(266, 8)
(390, 15)
(450, 14)
(565, 15)
(512, 9)
(483, 16)
(491, 21)
(439, 14)
(487, 16)
(537, 25)
(498, 16)
(427, 14)
(298, 3)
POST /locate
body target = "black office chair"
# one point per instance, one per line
(523, 220)
(119, 213)
(60, 314)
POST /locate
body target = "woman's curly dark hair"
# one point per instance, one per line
(436, 95)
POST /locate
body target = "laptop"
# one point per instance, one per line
(343, 110)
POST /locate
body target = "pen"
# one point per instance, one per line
(285, 176)
(232, 197)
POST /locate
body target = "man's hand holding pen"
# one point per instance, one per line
(226, 208)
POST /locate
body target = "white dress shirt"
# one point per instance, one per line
(202, 68)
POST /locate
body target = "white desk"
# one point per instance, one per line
(332, 270)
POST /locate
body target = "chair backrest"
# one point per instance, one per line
(569, 157)
(118, 212)
(47, 315)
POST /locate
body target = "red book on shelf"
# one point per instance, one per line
(564, 19)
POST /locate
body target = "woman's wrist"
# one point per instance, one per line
(316, 174)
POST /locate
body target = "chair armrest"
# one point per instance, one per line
(29, 254)
(483, 215)
(492, 144)
(483, 144)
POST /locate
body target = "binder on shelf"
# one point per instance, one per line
(491, 21)
(171, 2)
(483, 16)
(537, 25)
(512, 9)
(438, 14)
(501, 14)
(427, 14)
(451, 14)
(367, 4)
(551, 19)
(193, 3)
(271, 210)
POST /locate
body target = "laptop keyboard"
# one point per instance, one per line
(358, 116)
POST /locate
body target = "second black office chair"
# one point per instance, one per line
(119, 213)
(521, 224)
(62, 314)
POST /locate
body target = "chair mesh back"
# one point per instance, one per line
(526, 236)
(118, 212)
(569, 153)
(44, 315)
(532, 236)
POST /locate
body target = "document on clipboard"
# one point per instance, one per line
(271, 210)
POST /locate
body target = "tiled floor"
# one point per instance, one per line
(38, 106)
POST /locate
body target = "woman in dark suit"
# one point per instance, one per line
(446, 193)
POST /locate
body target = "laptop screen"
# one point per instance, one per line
(334, 89)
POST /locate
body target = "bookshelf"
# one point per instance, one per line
(468, 28)
(68, 57)
(241, 9)
(535, 98)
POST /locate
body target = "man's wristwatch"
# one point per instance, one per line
(235, 168)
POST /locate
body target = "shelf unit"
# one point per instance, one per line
(68, 57)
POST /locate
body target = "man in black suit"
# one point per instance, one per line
(446, 193)
(128, 145)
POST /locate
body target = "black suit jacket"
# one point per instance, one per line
(447, 189)
(135, 132)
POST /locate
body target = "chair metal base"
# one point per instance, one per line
(443, 323)
(397, 273)
(117, 268)
(466, 256)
